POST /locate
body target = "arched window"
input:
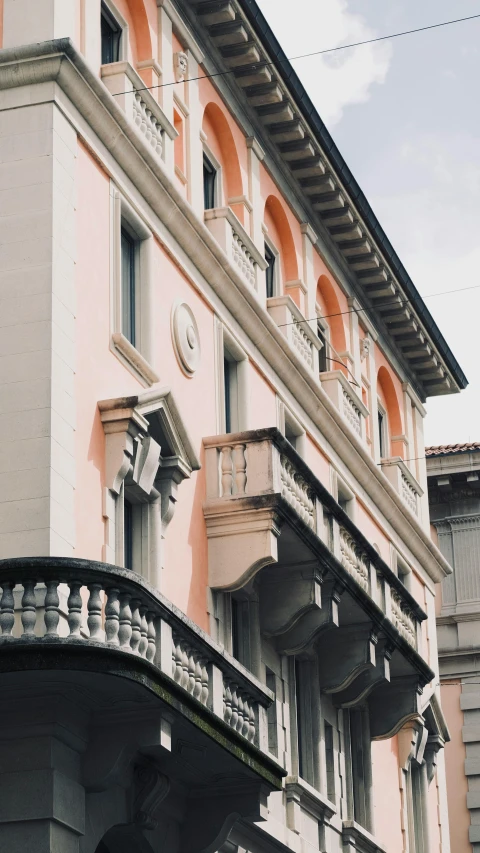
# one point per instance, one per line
(280, 252)
(331, 326)
(221, 166)
(389, 415)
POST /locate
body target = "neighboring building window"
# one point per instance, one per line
(271, 683)
(209, 183)
(270, 271)
(111, 36)
(129, 287)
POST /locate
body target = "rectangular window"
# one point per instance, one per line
(308, 733)
(382, 423)
(209, 183)
(240, 616)
(111, 34)
(322, 352)
(361, 766)
(270, 271)
(330, 761)
(128, 535)
(128, 297)
(272, 713)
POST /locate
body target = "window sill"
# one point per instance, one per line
(356, 838)
(131, 358)
(300, 794)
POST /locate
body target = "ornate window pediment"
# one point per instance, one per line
(148, 453)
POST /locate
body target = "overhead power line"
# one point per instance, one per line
(275, 62)
(398, 302)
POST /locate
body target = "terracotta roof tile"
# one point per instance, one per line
(446, 449)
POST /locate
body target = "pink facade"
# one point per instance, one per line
(224, 424)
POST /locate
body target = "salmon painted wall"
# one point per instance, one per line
(284, 225)
(334, 307)
(387, 805)
(100, 375)
(390, 394)
(455, 754)
(262, 401)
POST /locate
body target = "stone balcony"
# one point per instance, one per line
(151, 684)
(346, 400)
(240, 250)
(297, 331)
(321, 584)
(403, 482)
(144, 112)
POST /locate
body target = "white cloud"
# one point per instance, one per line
(336, 80)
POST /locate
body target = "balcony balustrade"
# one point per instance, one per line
(77, 603)
(294, 326)
(318, 578)
(139, 105)
(403, 482)
(346, 400)
(231, 236)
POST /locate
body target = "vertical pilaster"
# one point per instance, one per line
(165, 58)
(91, 44)
(51, 19)
(309, 239)
(194, 142)
(255, 157)
(354, 306)
(37, 305)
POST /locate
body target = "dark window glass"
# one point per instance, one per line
(270, 271)
(128, 535)
(272, 713)
(227, 381)
(290, 435)
(381, 434)
(330, 762)
(241, 631)
(209, 183)
(128, 287)
(300, 721)
(322, 353)
(111, 34)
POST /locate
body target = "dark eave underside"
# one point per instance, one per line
(247, 45)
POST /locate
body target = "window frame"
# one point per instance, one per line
(275, 255)
(306, 721)
(228, 350)
(383, 432)
(110, 13)
(136, 355)
(325, 338)
(287, 422)
(209, 157)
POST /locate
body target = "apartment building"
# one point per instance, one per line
(453, 472)
(218, 581)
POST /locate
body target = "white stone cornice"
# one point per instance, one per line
(60, 62)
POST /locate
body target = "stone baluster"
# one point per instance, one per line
(142, 649)
(227, 471)
(177, 668)
(125, 622)
(136, 626)
(29, 608)
(151, 636)
(74, 605)
(185, 666)
(246, 717)
(7, 608)
(204, 682)
(227, 703)
(52, 614)
(94, 609)
(234, 719)
(240, 465)
(112, 616)
(197, 689)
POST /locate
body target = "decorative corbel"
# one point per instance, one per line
(433, 746)
(213, 811)
(150, 787)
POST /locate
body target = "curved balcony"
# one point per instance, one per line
(86, 638)
(319, 580)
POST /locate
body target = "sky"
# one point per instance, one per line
(405, 115)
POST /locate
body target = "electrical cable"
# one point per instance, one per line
(393, 302)
(306, 55)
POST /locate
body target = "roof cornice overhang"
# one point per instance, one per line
(241, 42)
(59, 62)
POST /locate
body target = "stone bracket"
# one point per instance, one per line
(288, 593)
(317, 620)
(212, 813)
(394, 705)
(361, 687)
(346, 655)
